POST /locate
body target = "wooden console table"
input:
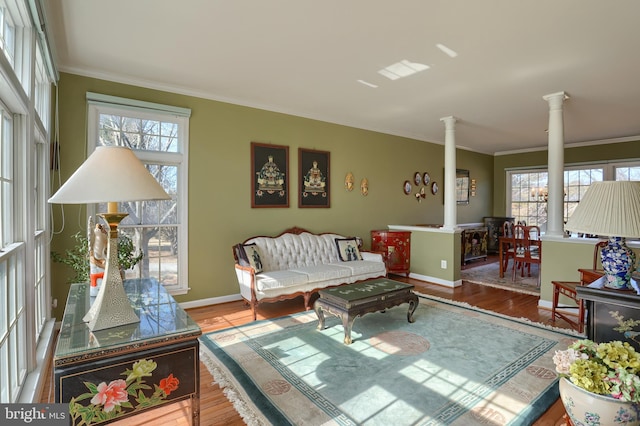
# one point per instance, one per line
(118, 372)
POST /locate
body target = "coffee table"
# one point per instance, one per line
(350, 301)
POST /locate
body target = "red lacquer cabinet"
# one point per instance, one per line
(395, 247)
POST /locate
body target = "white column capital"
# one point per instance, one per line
(555, 100)
(449, 121)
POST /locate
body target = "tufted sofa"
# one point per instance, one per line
(298, 263)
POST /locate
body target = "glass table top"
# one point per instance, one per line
(161, 320)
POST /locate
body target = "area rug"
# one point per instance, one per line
(453, 366)
(489, 275)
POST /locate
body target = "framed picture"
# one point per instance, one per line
(462, 186)
(313, 177)
(269, 175)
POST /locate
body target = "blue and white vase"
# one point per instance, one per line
(618, 263)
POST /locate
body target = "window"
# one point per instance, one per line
(7, 34)
(158, 135)
(24, 178)
(627, 172)
(528, 189)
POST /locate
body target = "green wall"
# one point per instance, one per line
(220, 212)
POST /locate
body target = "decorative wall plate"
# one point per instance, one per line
(434, 188)
(407, 187)
(426, 179)
(417, 178)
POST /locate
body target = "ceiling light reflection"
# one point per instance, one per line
(450, 52)
(366, 83)
(402, 69)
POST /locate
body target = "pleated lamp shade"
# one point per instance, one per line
(609, 209)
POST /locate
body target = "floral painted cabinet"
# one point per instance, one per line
(395, 247)
(119, 372)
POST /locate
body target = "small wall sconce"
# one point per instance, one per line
(473, 188)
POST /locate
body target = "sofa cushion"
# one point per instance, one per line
(249, 255)
(279, 279)
(348, 249)
(363, 267)
(316, 273)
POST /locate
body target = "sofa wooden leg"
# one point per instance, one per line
(307, 299)
(254, 310)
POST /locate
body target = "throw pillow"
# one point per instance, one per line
(249, 255)
(348, 249)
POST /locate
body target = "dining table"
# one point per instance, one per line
(504, 243)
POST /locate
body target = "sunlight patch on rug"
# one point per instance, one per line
(454, 365)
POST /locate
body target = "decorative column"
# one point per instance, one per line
(555, 224)
(450, 205)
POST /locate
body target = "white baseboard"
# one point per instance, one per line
(210, 301)
(435, 280)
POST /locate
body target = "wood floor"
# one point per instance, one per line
(215, 409)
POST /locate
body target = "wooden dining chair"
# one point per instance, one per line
(508, 249)
(528, 249)
(568, 288)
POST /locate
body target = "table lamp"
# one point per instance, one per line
(611, 209)
(111, 174)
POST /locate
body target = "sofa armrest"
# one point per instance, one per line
(372, 256)
(247, 281)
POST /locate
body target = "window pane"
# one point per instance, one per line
(628, 173)
(138, 133)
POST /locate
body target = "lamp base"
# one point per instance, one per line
(618, 263)
(111, 307)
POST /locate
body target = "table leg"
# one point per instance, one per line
(413, 305)
(195, 410)
(320, 314)
(347, 323)
(554, 304)
(500, 250)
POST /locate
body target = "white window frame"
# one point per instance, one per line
(103, 104)
(25, 302)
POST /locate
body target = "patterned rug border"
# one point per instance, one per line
(252, 418)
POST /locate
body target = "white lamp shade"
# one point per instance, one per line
(610, 209)
(110, 174)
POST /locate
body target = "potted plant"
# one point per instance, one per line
(599, 382)
(77, 258)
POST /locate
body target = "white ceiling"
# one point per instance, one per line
(304, 57)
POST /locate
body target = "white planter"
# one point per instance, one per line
(589, 409)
